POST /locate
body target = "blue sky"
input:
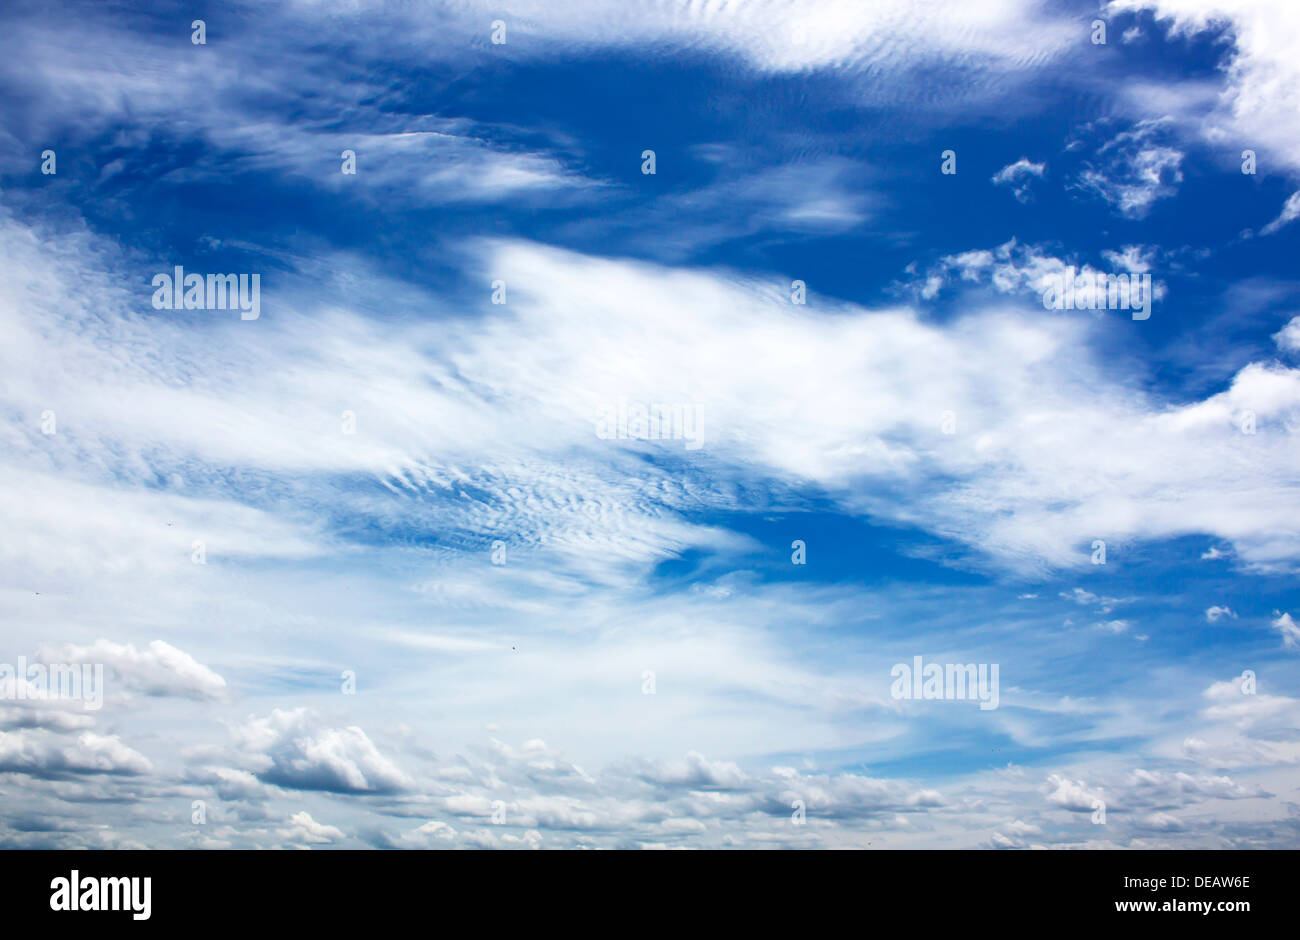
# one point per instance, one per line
(365, 571)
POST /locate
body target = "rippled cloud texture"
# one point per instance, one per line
(529, 425)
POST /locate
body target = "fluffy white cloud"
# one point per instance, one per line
(292, 749)
(1074, 795)
(43, 754)
(1262, 73)
(305, 829)
(160, 669)
(1288, 338)
(1244, 726)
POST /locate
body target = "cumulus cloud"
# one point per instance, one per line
(1017, 835)
(43, 754)
(158, 670)
(694, 772)
(294, 750)
(1244, 726)
(1074, 795)
(1029, 271)
(1288, 338)
(307, 830)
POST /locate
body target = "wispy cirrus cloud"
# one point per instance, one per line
(366, 571)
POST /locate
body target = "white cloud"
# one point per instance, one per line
(1087, 599)
(1288, 338)
(1159, 788)
(1290, 210)
(1284, 625)
(1244, 726)
(476, 423)
(1262, 74)
(43, 754)
(1131, 258)
(160, 669)
(1064, 457)
(292, 749)
(1113, 626)
(1013, 268)
(1073, 795)
(305, 829)
(695, 772)
(787, 36)
(1018, 175)
(1139, 169)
